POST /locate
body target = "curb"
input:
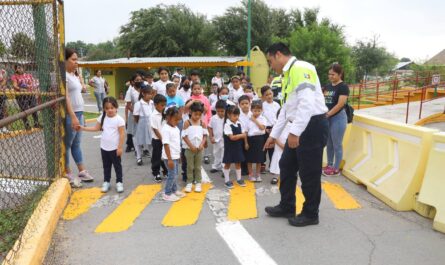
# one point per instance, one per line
(41, 226)
(438, 117)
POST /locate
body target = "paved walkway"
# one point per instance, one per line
(137, 227)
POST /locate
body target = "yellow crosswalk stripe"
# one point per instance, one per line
(123, 217)
(300, 200)
(341, 199)
(186, 211)
(80, 202)
(242, 203)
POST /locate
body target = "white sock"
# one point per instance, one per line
(238, 174)
(226, 174)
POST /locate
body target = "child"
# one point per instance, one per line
(223, 94)
(194, 137)
(175, 100)
(113, 135)
(256, 130)
(198, 96)
(244, 118)
(234, 141)
(160, 85)
(156, 141)
(216, 127)
(213, 97)
(248, 91)
(270, 110)
(171, 141)
(131, 97)
(237, 91)
(141, 113)
(278, 151)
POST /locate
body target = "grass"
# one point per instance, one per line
(90, 115)
(13, 221)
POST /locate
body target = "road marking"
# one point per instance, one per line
(240, 242)
(300, 199)
(80, 202)
(341, 199)
(124, 216)
(242, 203)
(243, 245)
(186, 211)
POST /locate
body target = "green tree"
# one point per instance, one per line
(81, 47)
(320, 43)
(231, 28)
(166, 31)
(370, 58)
(104, 51)
(22, 46)
(2, 48)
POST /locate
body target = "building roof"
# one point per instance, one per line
(136, 62)
(438, 59)
(401, 65)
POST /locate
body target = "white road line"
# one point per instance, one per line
(242, 244)
(205, 177)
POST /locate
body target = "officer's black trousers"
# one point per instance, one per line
(306, 160)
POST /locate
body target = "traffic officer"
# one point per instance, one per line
(304, 110)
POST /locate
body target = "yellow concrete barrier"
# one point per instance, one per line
(389, 158)
(433, 186)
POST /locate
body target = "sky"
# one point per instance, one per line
(410, 28)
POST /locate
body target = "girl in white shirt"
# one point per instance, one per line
(113, 135)
(223, 94)
(141, 114)
(160, 85)
(256, 131)
(171, 153)
(194, 136)
(213, 97)
(278, 151)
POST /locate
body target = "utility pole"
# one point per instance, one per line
(249, 31)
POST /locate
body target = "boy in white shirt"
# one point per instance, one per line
(156, 125)
(216, 128)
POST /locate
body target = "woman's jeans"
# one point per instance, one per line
(99, 99)
(172, 176)
(337, 128)
(72, 140)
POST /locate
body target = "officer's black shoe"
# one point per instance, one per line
(302, 220)
(277, 211)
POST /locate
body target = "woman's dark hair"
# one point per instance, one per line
(170, 112)
(159, 99)
(162, 68)
(256, 104)
(95, 71)
(133, 77)
(145, 90)
(338, 69)
(69, 52)
(197, 107)
(220, 104)
(231, 110)
(113, 102)
(243, 97)
(264, 89)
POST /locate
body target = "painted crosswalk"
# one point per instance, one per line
(242, 205)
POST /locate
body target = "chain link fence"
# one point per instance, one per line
(31, 111)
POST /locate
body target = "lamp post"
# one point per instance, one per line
(249, 29)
